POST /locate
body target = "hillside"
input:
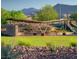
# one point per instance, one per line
(30, 11)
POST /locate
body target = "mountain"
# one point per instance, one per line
(30, 11)
(65, 9)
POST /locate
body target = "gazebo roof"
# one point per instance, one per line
(32, 21)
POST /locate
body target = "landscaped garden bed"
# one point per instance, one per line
(39, 47)
(25, 52)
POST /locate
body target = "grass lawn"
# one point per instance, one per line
(40, 40)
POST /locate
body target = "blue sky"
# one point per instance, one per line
(20, 4)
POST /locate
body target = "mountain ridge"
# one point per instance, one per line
(65, 9)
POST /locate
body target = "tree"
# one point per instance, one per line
(47, 13)
(74, 16)
(18, 15)
(4, 16)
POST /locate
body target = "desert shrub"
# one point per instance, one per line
(23, 43)
(51, 47)
(48, 44)
(73, 44)
(2, 43)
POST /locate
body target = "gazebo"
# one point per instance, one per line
(29, 27)
(26, 27)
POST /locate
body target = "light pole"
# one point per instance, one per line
(60, 12)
